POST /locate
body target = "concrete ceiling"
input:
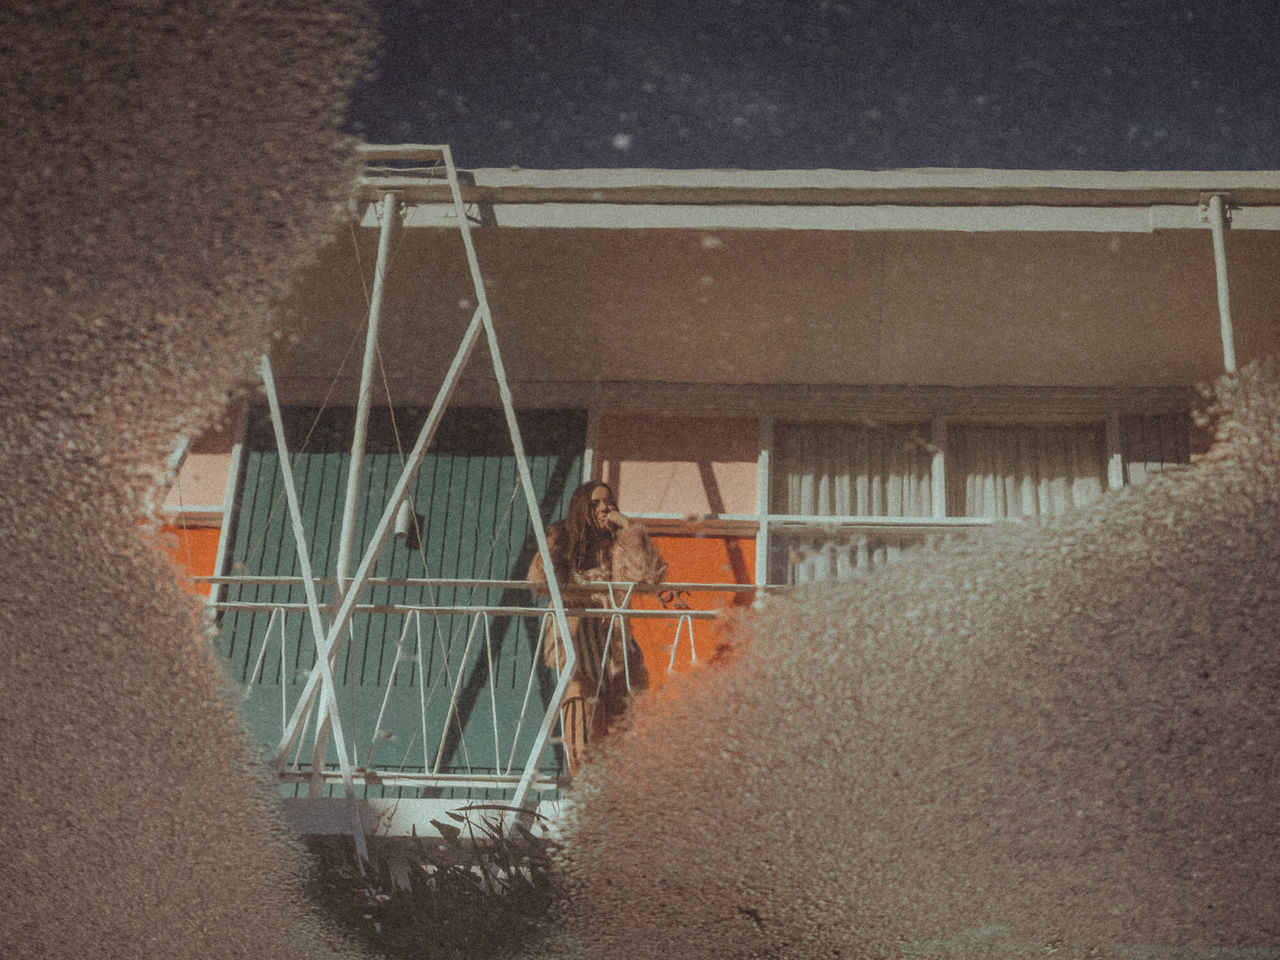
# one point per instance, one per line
(984, 309)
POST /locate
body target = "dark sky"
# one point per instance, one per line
(855, 84)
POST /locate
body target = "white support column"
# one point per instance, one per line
(1217, 216)
(390, 203)
(544, 551)
(346, 535)
(938, 467)
(763, 469)
(319, 634)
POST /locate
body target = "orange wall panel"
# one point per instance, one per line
(194, 549)
(692, 560)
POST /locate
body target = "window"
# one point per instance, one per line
(846, 471)
(845, 497)
(1024, 471)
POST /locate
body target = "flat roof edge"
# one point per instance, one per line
(830, 178)
(411, 170)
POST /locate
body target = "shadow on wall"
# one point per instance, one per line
(1058, 739)
(167, 168)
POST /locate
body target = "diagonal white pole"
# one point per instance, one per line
(481, 320)
(291, 497)
(399, 492)
(526, 481)
(322, 668)
(328, 693)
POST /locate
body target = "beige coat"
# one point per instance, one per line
(630, 557)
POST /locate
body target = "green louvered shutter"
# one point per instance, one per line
(474, 525)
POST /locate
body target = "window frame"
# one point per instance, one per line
(947, 409)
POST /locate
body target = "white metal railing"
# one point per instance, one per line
(511, 767)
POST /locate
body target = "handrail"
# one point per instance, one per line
(264, 606)
(856, 522)
(516, 772)
(817, 520)
(598, 585)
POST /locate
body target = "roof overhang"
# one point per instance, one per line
(783, 283)
(919, 199)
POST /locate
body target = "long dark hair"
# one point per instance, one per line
(582, 536)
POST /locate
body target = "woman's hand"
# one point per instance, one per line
(617, 519)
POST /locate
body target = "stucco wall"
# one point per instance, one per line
(685, 465)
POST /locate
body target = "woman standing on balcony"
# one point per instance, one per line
(595, 542)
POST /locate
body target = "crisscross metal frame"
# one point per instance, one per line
(328, 627)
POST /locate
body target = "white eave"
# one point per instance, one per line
(918, 199)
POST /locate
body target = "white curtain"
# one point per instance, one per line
(1024, 471)
(828, 470)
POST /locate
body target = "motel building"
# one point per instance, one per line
(788, 376)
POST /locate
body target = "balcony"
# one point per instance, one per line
(440, 693)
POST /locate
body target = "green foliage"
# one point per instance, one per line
(480, 890)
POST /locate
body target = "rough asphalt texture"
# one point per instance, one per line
(1043, 741)
(166, 166)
